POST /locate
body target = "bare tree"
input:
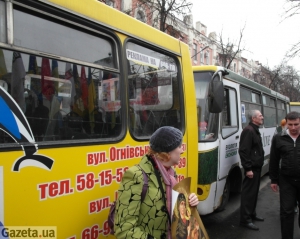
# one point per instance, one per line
(268, 77)
(273, 77)
(293, 9)
(293, 51)
(230, 49)
(259, 76)
(282, 78)
(290, 83)
(164, 13)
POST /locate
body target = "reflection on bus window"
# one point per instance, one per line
(269, 111)
(229, 113)
(207, 122)
(250, 101)
(62, 100)
(96, 50)
(281, 110)
(153, 90)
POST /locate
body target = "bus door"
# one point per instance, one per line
(229, 142)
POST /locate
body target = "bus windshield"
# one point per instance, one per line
(207, 122)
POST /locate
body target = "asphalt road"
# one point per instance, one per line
(225, 224)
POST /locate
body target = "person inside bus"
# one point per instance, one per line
(150, 218)
(252, 158)
(286, 147)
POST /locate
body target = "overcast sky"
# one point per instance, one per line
(266, 36)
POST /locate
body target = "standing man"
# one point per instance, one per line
(252, 158)
(286, 146)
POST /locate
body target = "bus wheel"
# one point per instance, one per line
(225, 196)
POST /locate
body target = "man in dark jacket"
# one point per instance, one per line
(252, 158)
(286, 146)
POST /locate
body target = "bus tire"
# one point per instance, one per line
(225, 196)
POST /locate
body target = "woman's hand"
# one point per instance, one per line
(193, 200)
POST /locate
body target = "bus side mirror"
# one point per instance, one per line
(215, 94)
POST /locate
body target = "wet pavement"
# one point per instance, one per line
(225, 225)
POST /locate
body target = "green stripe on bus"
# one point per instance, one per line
(208, 166)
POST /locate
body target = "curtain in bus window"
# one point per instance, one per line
(84, 88)
(69, 76)
(47, 84)
(91, 101)
(55, 73)
(3, 70)
(17, 80)
(154, 90)
(109, 102)
(78, 107)
(54, 106)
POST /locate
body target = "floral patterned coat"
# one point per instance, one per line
(134, 219)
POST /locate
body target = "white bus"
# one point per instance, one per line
(219, 167)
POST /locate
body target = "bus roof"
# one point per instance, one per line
(241, 80)
(118, 21)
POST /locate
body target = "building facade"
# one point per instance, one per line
(205, 48)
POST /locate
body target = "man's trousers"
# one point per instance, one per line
(249, 196)
(289, 190)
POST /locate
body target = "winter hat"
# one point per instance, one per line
(165, 139)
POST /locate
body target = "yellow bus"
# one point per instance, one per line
(82, 88)
(295, 106)
(219, 167)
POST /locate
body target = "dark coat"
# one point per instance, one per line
(251, 149)
(283, 147)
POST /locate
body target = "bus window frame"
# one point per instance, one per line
(86, 26)
(237, 114)
(270, 107)
(76, 23)
(285, 109)
(216, 136)
(178, 63)
(250, 102)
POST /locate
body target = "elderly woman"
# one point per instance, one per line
(150, 218)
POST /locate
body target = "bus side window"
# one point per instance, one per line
(153, 89)
(229, 113)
